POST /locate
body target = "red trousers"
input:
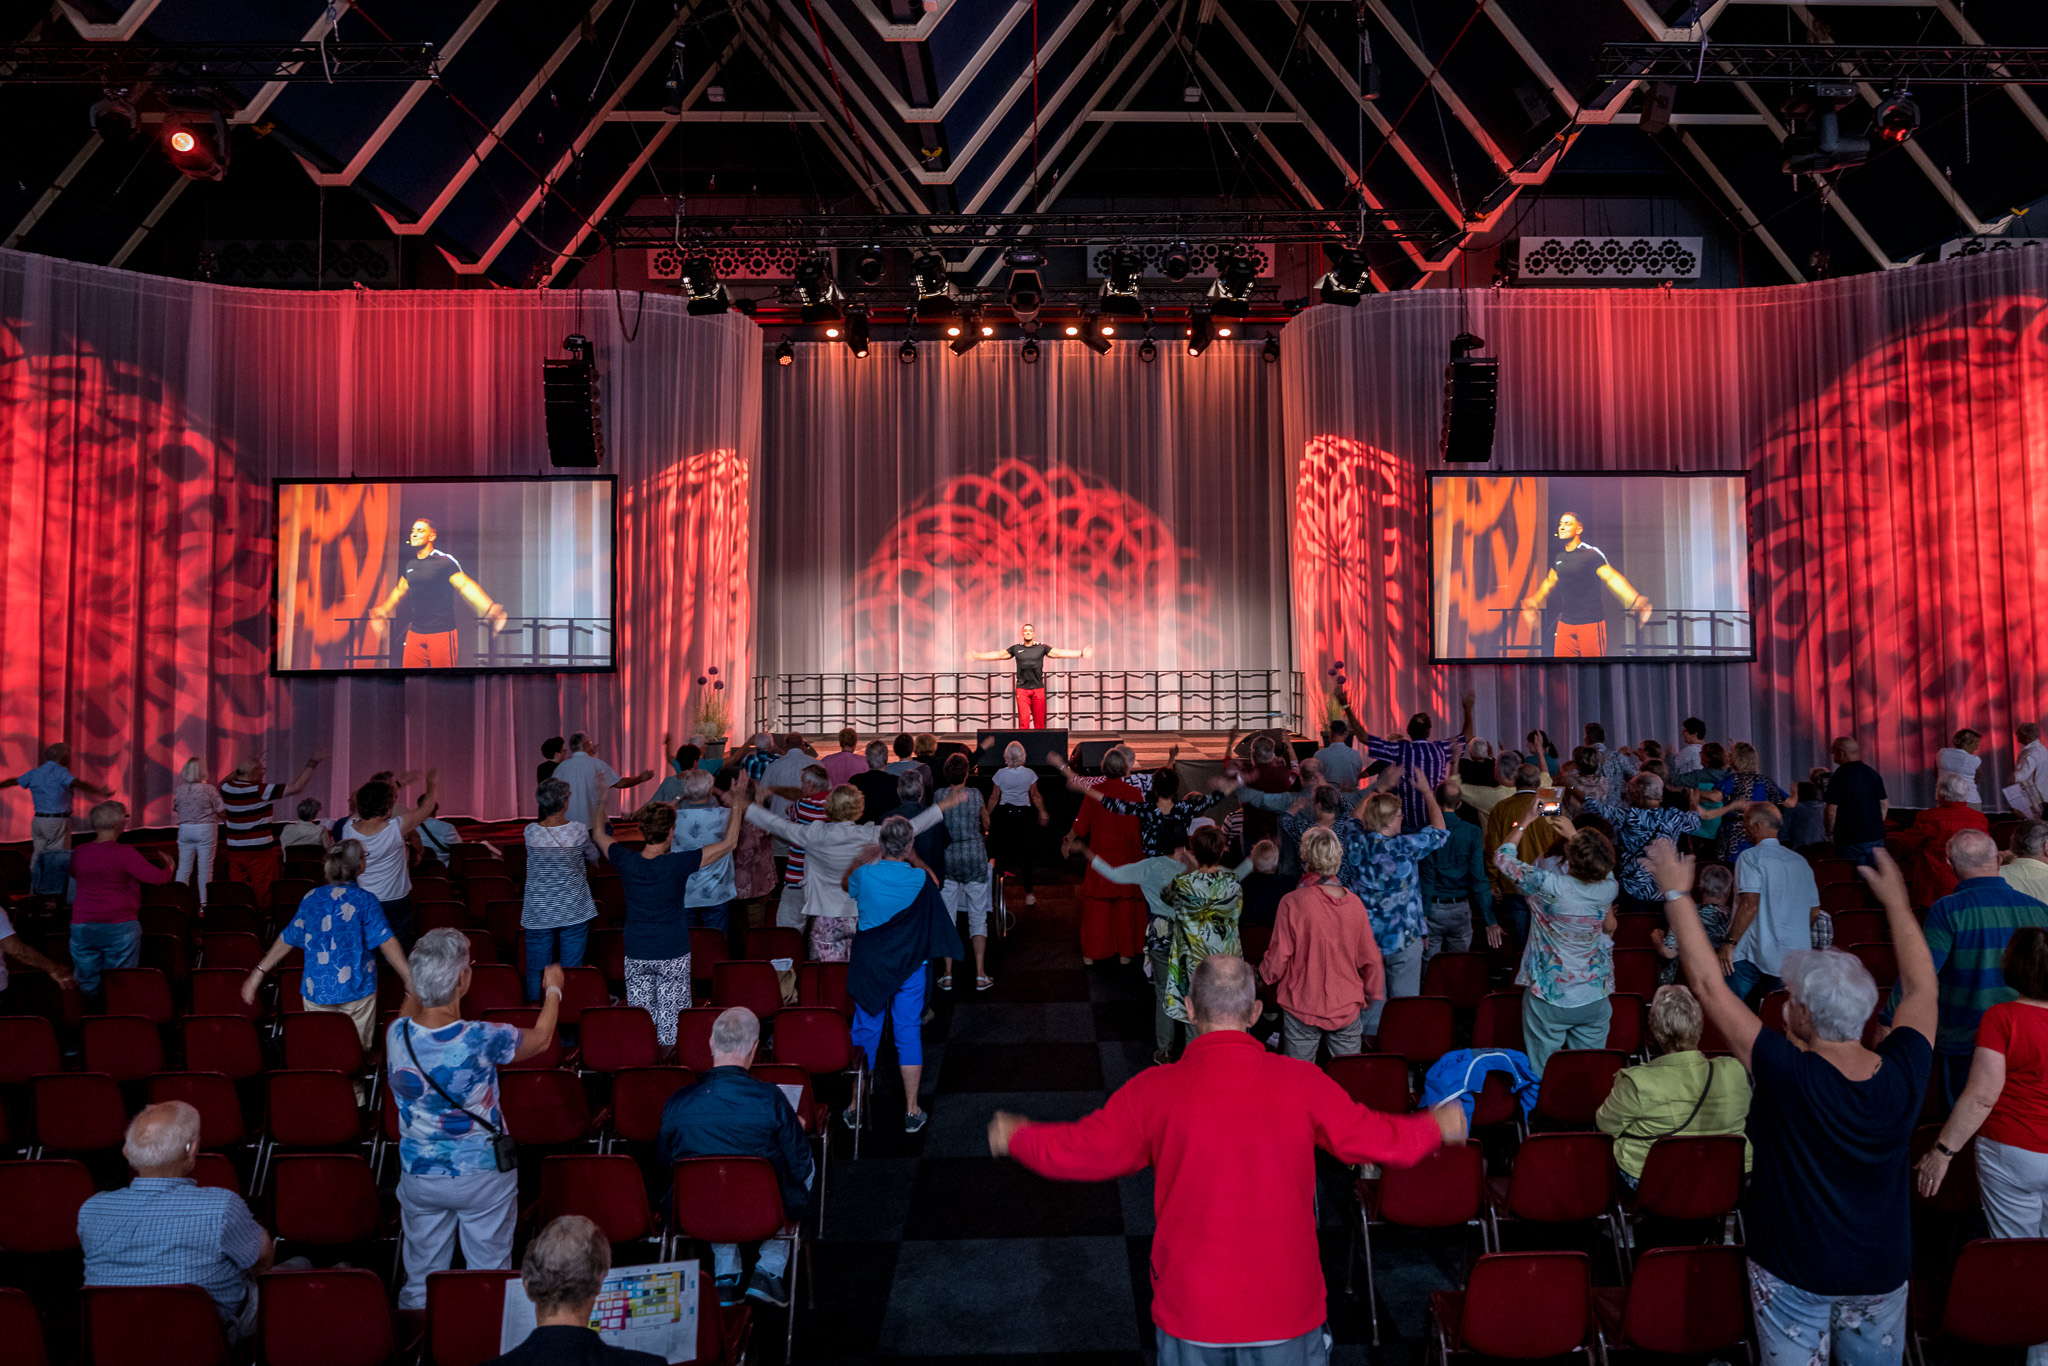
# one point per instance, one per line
(1112, 927)
(1030, 709)
(1584, 641)
(435, 650)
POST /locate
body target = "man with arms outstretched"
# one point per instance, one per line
(1576, 577)
(1031, 657)
(431, 579)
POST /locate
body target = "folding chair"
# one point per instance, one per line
(1498, 1021)
(218, 991)
(227, 1044)
(232, 914)
(1860, 927)
(442, 915)
(1575, 1084)
(1771, 1010)
(482, 948)
(501, 919)
(39, 1203)
(125, 1047)
(1526, 1305)
(481, 891)
(213, 1096)
(492, 986)
(1636, 972)
(164, 1325)
(1882, 962)
(215, 1171)
(464, 1311)
(771, 942)
(28, 1047)
(1559, 1179)
(77, 1112)
(230, 949)
(737, 1200)
(824, 984)
(693, 1036)
(138, 991)
(607, 953)
(21, 1328)
(1460, 977)
(1634, 928)
(1625, 1024)
(1994, 1296)
(615, 1037)
(819, 1040)
(583, 988)
(547, 1109)
(608, 1190)
(287, 892)
(1444, 1190)
(1691, 1178)
(309, 1111)
(1829, 871)
(1844, 896)
(1378, 1081)
(327, 1200)
(1419, 1028)
(324, 1041)
(1683, 1302)
(169, 954)
(323, 1318)
(749, 982)
(225, 894)
(639, 1095)
(175, 894)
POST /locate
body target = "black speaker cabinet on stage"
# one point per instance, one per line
(575, 430)
(1039, 747)
(1471, 386)
(1089, 754)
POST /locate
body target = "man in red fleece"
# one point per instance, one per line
(1232, 1132)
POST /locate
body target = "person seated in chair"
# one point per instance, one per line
(1680, 1091)
(732, 1113)
(565, 1267)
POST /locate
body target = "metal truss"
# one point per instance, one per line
(1960, 64)
(925, 232)
(176, 63)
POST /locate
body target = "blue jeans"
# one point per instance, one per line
(906, 1010)
(98, 945)
(707, 917)
(563, 944)
(1860, 854)
(1796, 1327)
(1748, 977)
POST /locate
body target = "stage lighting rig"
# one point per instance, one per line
(1027, 287)
(934, 288)
(816, 290)
(1029, 351)
(1346, 280)
(1817, 145)
(785, 354)
(1095, 334)
(1177, 262)
(1232, 292)
(1896, 117)
(114, 117)
(857, 330)
(1120, 290)
(968, 332)
(870, 265)
(701, 285)
(1198, 332)
(196, 140)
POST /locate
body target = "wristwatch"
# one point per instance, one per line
(1943, 1148)
(1675, 896)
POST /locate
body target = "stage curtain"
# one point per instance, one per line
(914, 512)
(142, 421)
(1895, 429)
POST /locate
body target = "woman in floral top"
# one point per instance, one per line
(1163, 815)
(1207, 903)
(1381, 865)
(1568, 966)
(1743, 783)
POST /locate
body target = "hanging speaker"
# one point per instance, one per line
(569, 394)
(1471, 386)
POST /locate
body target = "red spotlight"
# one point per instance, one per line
(183, 141)
(197, 142)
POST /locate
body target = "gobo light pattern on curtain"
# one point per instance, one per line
(1357, 540)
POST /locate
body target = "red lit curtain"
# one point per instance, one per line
(1895, 427)
(141, 421)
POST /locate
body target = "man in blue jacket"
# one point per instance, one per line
(732, 1113)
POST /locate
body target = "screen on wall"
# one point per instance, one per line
(428, 575)
(1589, 567)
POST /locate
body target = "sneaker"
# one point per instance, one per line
(913, 1123)
(850, 1118)
(768, 1289)
(728, 1289)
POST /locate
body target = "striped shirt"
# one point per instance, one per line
(172, 1231)
(1424, 764)
(803, 813)
(246, 812)
(1967, 932)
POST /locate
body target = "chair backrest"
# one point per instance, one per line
(1881, 960)
(492, 986)
(236, 949)
(727, 1199)
(232, 912)
(606, 1189)
(290, 1000)
(502, 918)
(1419, 1028)
(1854, 927)
(1688, 1301)
(230, 894)
(749, 982)
(815, 1038)
(138, 991)
(1562, 1178)
(1829, 871)
(323, 1318)
(617, 1036)
(464, 1312)
(1498, 1021)
(313, 1109)
(323, 1040)
(214, 1170)
(789, 1074)
(327, 1199)
(218, 991)
(1636, 972)
(1460, 977)
(1443, 1190)
(1527, 1305)
(1625, 1024)
(639, 1095)
(1378, 1081)
(583, 988)
(125, 1047)
(1575, 1084)
(526, 1017)
(693, 1036)
(1693, 1177)
(544, 1108)
(28, 1046)
(165, 1325)
(707, 950)
(824, 984)
(777, 941)
(1994, 1298)
(607, 953)
(482, 890)
(482, 948)
(287, 892)
(78, 1112)
(21, 1328)
(1771, 1010)
(213, 1096)
(226, 1044)
(443, 915)
(168, 954)
(1634, 928)
(39, 1204)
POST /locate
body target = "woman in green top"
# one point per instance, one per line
(1680, 1091)
(1207, 903)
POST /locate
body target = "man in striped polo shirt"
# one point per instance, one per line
(246, 799)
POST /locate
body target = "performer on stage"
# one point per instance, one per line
(431, 579)
(1031, 657)
(1576, 578)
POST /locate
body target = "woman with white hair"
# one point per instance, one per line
(1828, 1221)
(1923, 845)
(197, 807)
(1681, 1091)
(1016, 814)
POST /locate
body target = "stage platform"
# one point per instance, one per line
(1152, 746)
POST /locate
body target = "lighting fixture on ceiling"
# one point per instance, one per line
(1816, 144)
(1095, 335)
(857, 331)
(1896, 117)
(870, 265)
(1029, 351)
(701, 285)
(1027, 287)
(1148, 350)
(1270, 352)
(907, 353)
(934, 288)
(1177, 262)
(1232, 291)
(114, 117)
(1198, 332)
(197, 142)
(1120, 289)
(785, 354)
(1346, 280)
(967, 333)
(816, 290)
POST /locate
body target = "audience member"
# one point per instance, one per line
(969, 881)
(688, 759)
(812, 792)
(1112, 913)
(308, 829)
(1639, 817)
(831, 849)
(245, 812)
(1923, 845)
(164, 1228)
(1231, 1132)
(443, 1074)
(1856, 804)
(1207, 901)
(913, 797)
(1341, 764)
(841, 767)
(1382, 868)
(1323, 961)
(1681, 1091)
(905, 749)
(1695, 785)
(591, 781)
(2030, 769)
(1511, 813)
(341, 931)
(1582, 776)
(903, 927)
(701, 821)
(1776, 902)
(1828, 1224)
(2028, 870)
(1268, 773)
(551, 751)
(1744, 784)
(1961, 760)
(1164, 816)
(1424, 763)
(926, 749)
(558, 906)
(1541, 751)
(387, 873)
(1454, 880)
(875, 783)
(564, 1270)
(52, 788)
(656, 880)
(1806, 823)
(732, 1113)
(1479, 767)
(1266, 886)
(13, 946)
(1018, 814)
(196, 807)
(1567, 969)
(1692, 742)
(106, 924)
(753, 861)
(1714, 895)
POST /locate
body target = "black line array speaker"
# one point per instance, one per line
(1089, 754)
(1039, 747)
(1471, 386)
(575, 428)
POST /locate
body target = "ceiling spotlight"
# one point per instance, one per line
(870, 265)
(1073, 329)
(1030, 351)
(1270, 352)
(1198, 332)
(701, 284)
(197, 141)
(816, 290)
(114, 118)
(1177, 262)
(907, 353)
(1817, 144)
(1896, 118)
(1191, 93)
(986, 329)
(1027, 288)
(1148, 350)
(1346, 279)
(1233, 288)
(1094, 335)
(1222, 329)
(934, 289)
(857, 331)
(785, 354)
(1120, 290)
(953, 329)
(967, 333)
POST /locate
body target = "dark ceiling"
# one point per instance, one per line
(547, 121)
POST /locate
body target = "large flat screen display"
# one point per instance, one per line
(438, 575)
(1584, 567)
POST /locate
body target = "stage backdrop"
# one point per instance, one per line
(1895, 427)
(141, 421)
(911, 513)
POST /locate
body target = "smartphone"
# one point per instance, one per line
(1550, 808)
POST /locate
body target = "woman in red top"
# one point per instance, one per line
(1323, 958)
(106, 927)
(1112, 914)
(1923, 845)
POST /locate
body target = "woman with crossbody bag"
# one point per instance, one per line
(458, 1170)
(1680, 1091)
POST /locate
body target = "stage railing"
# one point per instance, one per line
(1077, 699)
(525, 643)
(1670, 633)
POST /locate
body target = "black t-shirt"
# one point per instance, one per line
(1577, 595)
(1855, 791)
(657, 927)
(546, 770)
(1828, 1206)
(429, 594)
(878, 791)
(1030, 664)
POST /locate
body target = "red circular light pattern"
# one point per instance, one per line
(1357, 532)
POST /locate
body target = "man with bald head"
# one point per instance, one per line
(1231, 1131)
(1967, 932)
(1856, 804)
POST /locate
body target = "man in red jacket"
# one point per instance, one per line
(1231, 1130)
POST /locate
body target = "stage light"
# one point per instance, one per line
(1346, 279)
(1817, 144)
(832, 333)
(1092, 334)
(1198, 333)
(1030, 351)
(934, 289)
(986, 329)
(870, 265)
(1073, 329)
(1270, 352)
(816, 290)
(197, 142)
(1120, 290)
(968, 333)
(1106, 329)
(114, 118)
(1148, 350)
(1177, 262)
(1027, 290)
(1897, 118)
(952, 329)
(1232, 291)
(707, 296)
(907, 353)
(785, 354)
(857, 331)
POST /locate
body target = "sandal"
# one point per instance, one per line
(984, 982)
(946, 982)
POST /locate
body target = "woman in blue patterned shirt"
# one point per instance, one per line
(342, 929)
(1382, 867)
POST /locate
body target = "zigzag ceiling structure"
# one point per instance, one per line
(546, 121)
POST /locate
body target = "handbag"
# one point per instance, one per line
(1697, 1106)
(504, 1148)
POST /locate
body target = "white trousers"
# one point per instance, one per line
(481, 1206)
(195, 850)
(2014, 1185)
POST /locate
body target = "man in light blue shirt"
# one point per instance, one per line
(700, 821)
(1342, 765)
(51, 785)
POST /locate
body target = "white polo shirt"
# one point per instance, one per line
(1787, 894)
